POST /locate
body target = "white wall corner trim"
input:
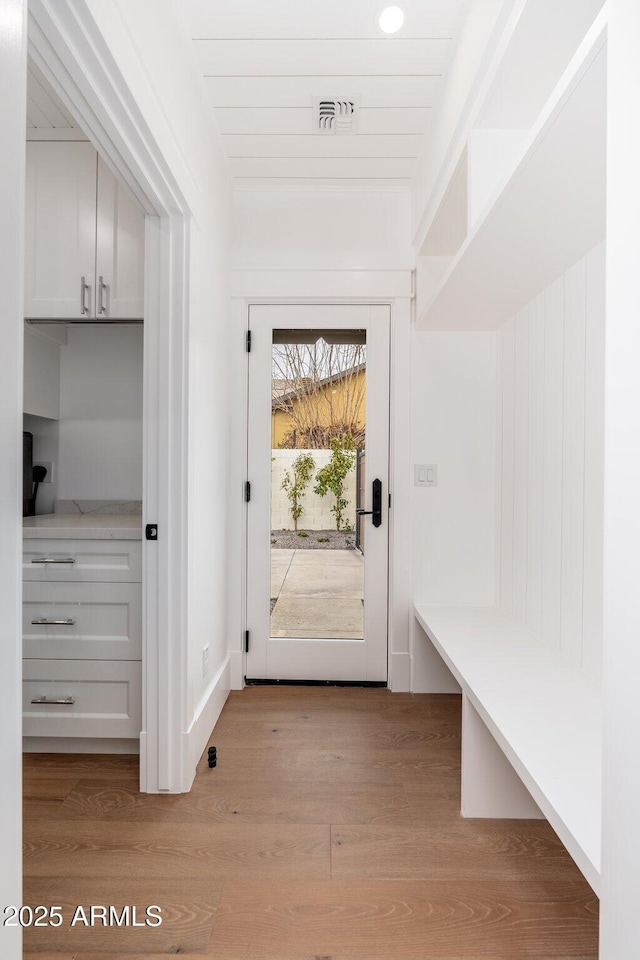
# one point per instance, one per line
(13, 79)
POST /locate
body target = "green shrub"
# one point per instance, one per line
(295, 486)
(331, 478)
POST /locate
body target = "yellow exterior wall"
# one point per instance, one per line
(328, 399)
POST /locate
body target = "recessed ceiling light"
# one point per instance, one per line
(391, 19)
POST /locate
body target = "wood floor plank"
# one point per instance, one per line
(155, 850)
(49, 789)
(188, 913)
(80, 766)
(431, 736)
(309, 707)
(125, 955)
(261, 801)
(440, 775)
(408, 919)
(518, 850)
(108, 800)
(306, 956)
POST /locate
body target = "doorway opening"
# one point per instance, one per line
(67, 52)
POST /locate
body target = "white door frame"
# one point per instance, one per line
(399, 463)
(71, 52)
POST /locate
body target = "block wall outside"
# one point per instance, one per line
(316, 513)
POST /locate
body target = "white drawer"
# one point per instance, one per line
(86, 561)
(106, 695)
(84, 621)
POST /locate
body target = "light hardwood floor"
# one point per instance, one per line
(328, 831)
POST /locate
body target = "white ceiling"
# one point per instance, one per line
(264, 61)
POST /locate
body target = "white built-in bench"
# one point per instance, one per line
(545, 717)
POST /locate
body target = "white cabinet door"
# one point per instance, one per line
(120, 251)
(60, 229)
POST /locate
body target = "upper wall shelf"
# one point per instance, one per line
(547, 215)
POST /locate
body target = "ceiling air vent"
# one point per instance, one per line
(334, 115)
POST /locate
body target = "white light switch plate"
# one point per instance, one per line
(425, 475)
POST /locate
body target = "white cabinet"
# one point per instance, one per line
(60, 227)
(82, 638)
(84, 237)
(119, 251)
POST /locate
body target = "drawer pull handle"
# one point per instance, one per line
(54, 560)
(61, 701)
(53, 623)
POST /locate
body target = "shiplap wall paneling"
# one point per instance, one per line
(497, 510)
(535, 463)
(550, 428)
(508, 338)
(552, 403)
(573, 463)
(521, 464)
(594, 462)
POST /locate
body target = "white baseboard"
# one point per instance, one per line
(400, 672)
(205, 718)
(79, 745)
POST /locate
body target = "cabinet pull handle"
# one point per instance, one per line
(102, 287)
(53, 560)
(53, 623)
(62, 701)
(84, 287)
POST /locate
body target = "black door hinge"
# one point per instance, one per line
(389, 501)
(248, 341)
(246, 641)
(247, 491)
(151, 531)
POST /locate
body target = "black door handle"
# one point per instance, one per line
(376, 503)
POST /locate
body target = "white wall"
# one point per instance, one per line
(41, 374)
(452, 530)
(453, 427)
(155, 57)
(13, 54)
(478, 32)
(320, 245)
(550, 464)
(321, 229)
(316, 513)
(620, 930)
(100, 445)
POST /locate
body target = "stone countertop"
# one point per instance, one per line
(62, 526)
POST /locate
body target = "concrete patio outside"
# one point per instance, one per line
(318, 593)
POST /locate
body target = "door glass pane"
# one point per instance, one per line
(318, 416)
